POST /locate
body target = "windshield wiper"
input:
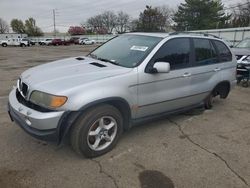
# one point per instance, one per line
(103, 59)
(93, 56)
(107, 60)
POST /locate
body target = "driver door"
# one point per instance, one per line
(163, 92)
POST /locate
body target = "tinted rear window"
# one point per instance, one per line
(223, 51)
(204, 52)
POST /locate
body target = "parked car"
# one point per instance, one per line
(128, 80)
(242, 49)
(56, 42)
(30, 42)
(74, 40)
(86, 41)
(14, 42)
(45, 41)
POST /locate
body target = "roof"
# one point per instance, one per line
(178, 34)
(162, 35)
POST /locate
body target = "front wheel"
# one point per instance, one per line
(208, 102)
(97, 131)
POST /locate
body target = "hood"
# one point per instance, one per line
(61, 75)
(241, 51)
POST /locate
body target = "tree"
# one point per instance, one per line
(95, 23)
(151, 20)
(31, 28)
(200, 14)
(76, 30)
(122, 23)
(241, 15)
(165, 23)
(109, 20)
(17, 26)
(4, 27)
(103, 23)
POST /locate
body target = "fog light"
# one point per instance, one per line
(27, 121)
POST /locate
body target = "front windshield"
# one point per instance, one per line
(244, 44)
(126, 50)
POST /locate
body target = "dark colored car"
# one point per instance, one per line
(242, 49)
(57, 42)
(74, 40)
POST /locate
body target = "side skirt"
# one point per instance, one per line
(139, 121)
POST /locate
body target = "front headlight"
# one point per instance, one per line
(47, 100)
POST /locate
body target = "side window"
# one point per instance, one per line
(204, 52)
(175, 51)
(223, 51)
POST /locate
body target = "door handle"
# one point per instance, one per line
(186, 74)
(217, 69)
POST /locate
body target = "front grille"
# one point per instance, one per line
(22, 87)
(29, 104)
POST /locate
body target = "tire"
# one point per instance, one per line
(22, 45)
(245, 83)
(4, 45)
(92, 138)
(208, 102)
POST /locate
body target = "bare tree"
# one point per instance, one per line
(123, 20)
(95, 23)
(109, 20)
(166, 20)
(241, 15)
(4, 27)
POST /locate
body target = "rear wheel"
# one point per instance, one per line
(4, 45)
(97, 131)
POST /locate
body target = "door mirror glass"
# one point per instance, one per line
(161, 67)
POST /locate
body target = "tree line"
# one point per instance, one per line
(190, 15)
(29, 27)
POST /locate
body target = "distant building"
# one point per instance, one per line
(4, 36)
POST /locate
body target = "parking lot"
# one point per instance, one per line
(195, 149)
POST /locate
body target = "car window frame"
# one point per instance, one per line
(150, 63)
(196, 63)
(217, 51)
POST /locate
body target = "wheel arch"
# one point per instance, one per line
(223, 88)
(69, 117)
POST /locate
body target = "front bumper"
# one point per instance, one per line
(41, 125)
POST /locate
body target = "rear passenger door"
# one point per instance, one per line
(206, 68)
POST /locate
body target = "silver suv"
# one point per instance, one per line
(129, 79)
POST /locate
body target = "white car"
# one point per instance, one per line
(14, 42)
(86, 41)
(45, 41)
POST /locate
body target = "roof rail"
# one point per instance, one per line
(192, 33)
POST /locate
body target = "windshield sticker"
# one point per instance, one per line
(139, 48)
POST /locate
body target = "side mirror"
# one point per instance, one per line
(161, 67)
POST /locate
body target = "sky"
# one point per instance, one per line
(73, 12)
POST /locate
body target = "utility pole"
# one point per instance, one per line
(54, 20)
